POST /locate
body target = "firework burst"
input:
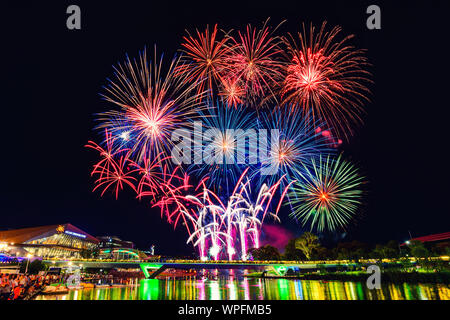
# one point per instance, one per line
(152, 105)
(327, 195)
(228, 134)
(318, 91)
(232, 92)
(204, 59)
(252, 64)
(326, 78)
(298, 143)
(107, 154)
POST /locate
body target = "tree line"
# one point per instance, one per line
(309, 247)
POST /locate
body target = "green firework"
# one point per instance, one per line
(327, 194)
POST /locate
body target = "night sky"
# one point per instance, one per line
(52, 78)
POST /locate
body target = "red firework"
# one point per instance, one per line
(252, 61)
(107, 162)
(177, 204)
(204, 59)
(326, 78)
(153, 175)
(116, 178)
(112, 174)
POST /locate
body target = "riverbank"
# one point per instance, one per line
(388, 276)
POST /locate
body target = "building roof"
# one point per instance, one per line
(25, 234)
(432, 238)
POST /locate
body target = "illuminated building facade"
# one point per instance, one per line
(54, 241)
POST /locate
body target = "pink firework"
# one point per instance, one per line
(326, 78)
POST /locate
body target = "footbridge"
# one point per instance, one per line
(153, 269)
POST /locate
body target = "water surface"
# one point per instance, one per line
(257, 289)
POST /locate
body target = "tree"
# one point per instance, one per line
(418, 249)
(307, 243)
(354, 250)
(89, 253)
(321, 253)
(385, 251)
(33, 267)
(265, 253)
(291, 253)
(393, 249)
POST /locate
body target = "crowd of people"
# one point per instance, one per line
(21, 286)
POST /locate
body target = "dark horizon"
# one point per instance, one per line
(55, 77)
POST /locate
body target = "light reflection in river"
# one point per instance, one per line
(257, 289)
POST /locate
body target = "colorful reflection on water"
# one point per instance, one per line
(257, 289)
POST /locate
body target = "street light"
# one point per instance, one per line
(3, 246)
(28, 261)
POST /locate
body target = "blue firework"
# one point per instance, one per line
(229, 137)
(296, 141)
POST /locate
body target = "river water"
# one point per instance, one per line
(256, 289)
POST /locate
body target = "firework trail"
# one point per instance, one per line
(152, 103)
(181, 201)
(112, 174)
(174, 200)
(326, 78)
(107, 154)
(327, 195)
(155, 177)
(235, 222)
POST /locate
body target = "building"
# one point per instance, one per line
(54, 241)
(121, 254)
(114, 248)
(112, 242)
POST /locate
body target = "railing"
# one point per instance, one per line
(277, 262)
